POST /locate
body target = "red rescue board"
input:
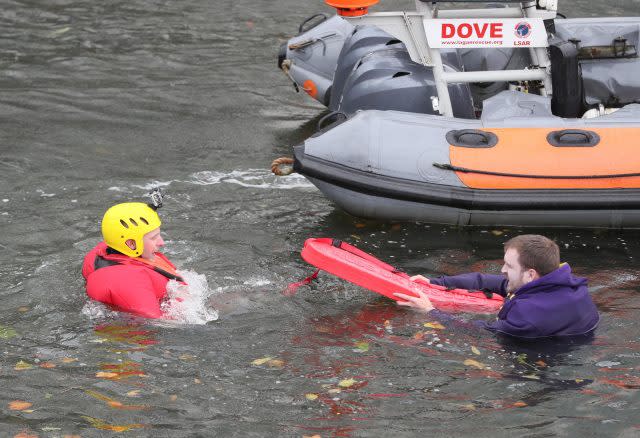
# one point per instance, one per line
(358, 267)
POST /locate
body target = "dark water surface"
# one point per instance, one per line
(99, 101)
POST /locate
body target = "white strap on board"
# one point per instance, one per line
(485, 33)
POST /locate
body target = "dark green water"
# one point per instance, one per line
(100, 101)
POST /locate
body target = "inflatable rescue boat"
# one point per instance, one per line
(504, 115)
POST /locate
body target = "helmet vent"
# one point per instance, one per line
(135, 224)
(124, 224)
(144, 220)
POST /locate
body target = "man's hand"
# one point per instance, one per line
(421, 302)
(420, 279)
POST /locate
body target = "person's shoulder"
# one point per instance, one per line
(88, 263)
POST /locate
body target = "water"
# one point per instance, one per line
(100, 101)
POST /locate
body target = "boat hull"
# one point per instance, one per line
(400, 166)
(381, 207)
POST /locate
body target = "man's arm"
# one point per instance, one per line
(474, 281)
(471, 281)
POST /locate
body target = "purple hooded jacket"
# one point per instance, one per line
(557, 304)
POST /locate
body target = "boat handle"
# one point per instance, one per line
(332, 117)
(472, 138)
(573, 138)
(301, 29)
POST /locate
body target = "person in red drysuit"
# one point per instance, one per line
(126, 271)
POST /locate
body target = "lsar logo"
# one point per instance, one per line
(523, 29)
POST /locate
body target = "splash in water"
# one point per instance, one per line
(252, 178)
(187, 304)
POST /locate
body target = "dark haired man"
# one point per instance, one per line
(542, 297)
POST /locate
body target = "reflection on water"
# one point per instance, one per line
(99, 102)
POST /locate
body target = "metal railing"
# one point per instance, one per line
(409, 27)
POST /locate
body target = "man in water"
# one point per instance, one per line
(542, 297)
(126, 271)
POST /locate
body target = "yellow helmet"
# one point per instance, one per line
(130, 220)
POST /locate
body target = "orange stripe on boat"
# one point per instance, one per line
(526, 151)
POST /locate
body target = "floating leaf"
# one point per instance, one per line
(134, 393)
(356, 237)
(334, 391)
(419, 335)
(470, 407)
(312, 436)
(497, 232)
(474, 363)
(360, 225)
(520, 404)
(541, 363)
(475, 350)
(173, 397)
(7, 332)
(61, 31)
(346, 383)
(362, 346)
(69, 359)
(261, 361)
(187, 357)
(197, 381)
(47, 365)
(19, 405)
(531, 377)
(434, 325)
(23, 309)
(276, 363)
(22, 365)
(522, 358)
(311, 396)
(269, 361)
(106, 375)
